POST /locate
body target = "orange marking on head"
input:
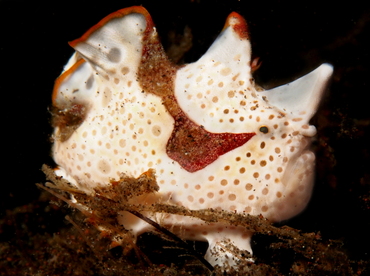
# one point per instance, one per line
(62, 77)
(238, 23)
(117, 14)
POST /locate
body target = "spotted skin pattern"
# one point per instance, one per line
(213, 138)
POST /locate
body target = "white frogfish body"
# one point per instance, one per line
(212, 138)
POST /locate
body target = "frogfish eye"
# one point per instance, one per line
(264, 129)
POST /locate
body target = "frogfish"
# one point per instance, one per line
(214, 138)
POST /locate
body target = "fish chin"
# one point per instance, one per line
(298, 181)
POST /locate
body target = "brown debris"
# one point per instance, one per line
(288, 249)
(68, 120)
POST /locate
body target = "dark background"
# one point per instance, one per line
(290, 40)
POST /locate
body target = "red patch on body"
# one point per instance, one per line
(194, 148)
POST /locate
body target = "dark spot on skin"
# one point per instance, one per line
(114, 55)
(264, 129)
(89, 82)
